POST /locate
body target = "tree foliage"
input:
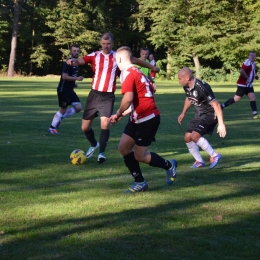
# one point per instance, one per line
(200, 34)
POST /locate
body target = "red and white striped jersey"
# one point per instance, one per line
(143, 104)
(249, 68)
(105, 70)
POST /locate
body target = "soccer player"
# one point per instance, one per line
(101, 97)
(245, 84)
(66, 93)
(143, 123)
(208, 114)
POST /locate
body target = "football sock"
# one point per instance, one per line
(90, 135)
(228, 102)
(204, 144)
(158, 161)
(103, 139)
(56, 119)
(133, 165)
(253, 107)
(71, 111)
(194, 150)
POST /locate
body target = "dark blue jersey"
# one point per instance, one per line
(72, 72)
(201, 95)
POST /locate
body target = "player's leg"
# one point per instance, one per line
(90, 112)
(192, 146)
(76, 108)
(125, 147)
(59, 114)
(105, 107)
(238, 95)
(252, 97)
(145, 133)
(206, 126)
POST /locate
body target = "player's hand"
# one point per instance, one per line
(156, 69)
(113, 119)
(221, 130)
(80, 78)
(180, 117)
(73, 62)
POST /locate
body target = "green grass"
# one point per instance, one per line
(50, 209)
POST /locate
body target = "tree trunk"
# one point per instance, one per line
(10, 72)
(197, 65)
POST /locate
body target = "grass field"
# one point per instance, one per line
(50, 209)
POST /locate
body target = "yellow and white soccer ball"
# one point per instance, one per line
(78, 157)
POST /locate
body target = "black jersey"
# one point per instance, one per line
(201, 95)
(72, 71)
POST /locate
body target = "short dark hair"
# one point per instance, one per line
(144, 49)
(74, 45)
(107, 36)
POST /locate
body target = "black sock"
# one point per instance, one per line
(133, 165)
(103, 139)
(253, 107)
(228, 102)
(158, 161)
(91, 137)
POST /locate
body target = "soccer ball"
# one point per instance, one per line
(78, 157)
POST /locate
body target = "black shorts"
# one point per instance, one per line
(241, 91)
(67, 97)
(143, 133)
(202, 125)
(99, 102)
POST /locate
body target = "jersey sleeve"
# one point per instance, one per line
(128, 84)
(89, 58)
(206, 91)
(65, 68)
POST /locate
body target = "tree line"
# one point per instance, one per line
(213, 37)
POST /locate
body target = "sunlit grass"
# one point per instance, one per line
(51, 209)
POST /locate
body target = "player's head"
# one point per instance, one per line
(74, 51)
(123, 57)
(144, 53)
(106, 42)
(151, 57)
(185, 76)
(252, 56)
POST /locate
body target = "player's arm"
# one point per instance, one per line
(243, 73)
(124, 108)
(76, 62)
(218, 111)
(66, 77)
(145, 64)
(186, 106)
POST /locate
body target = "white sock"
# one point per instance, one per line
(194, 150)
(204, 144)
(56, 119)
(71, 111)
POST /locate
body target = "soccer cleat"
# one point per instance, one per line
(214, 160)
(198, 164)
(171, 173)
(137, 187)
(101, 158)
(257, 116)
(53, 131)
(91, 150)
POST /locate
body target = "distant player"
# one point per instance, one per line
(65, 91)
(208, 114)
(245, 84)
